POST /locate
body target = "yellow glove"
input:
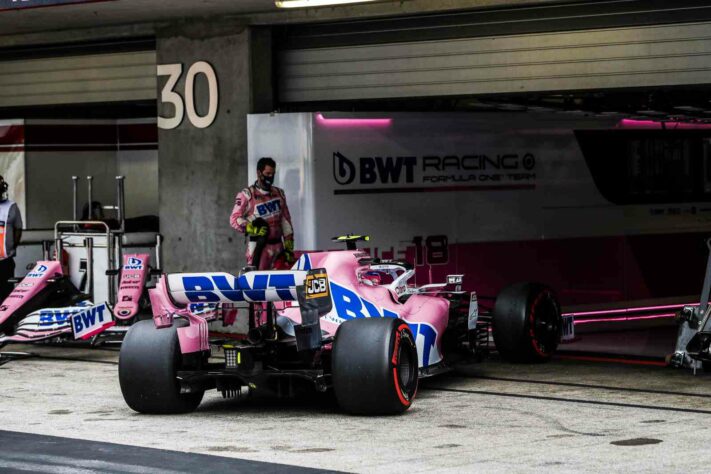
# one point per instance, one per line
(289, 251)
(256, 231)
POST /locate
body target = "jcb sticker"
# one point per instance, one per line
(316, 285)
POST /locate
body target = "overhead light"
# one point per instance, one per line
(315, 3)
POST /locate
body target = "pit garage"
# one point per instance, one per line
(474, 144)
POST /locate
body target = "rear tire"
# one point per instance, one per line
(526, 323)
(375, 368)
(148, 363)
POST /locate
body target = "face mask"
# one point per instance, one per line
(267, 181)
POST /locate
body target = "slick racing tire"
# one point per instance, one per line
(375, 367)
(148, 362)
(526, 323)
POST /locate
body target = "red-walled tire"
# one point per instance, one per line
(526, 323)
(375, 368)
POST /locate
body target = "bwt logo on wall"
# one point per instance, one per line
(372, 170)
(439, 170)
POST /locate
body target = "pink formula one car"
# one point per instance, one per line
(76, 295)
(45, 305)
(338, 320)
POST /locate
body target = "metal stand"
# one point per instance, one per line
(89, 244)
(693, 344)
(112, 236)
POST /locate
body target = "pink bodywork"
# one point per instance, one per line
(343, 269)
(194, 337)
(20, 337)
(134, 272)
(32, 284)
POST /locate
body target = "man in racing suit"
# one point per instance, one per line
(264, 202)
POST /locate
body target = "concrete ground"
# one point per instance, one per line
(565, 416)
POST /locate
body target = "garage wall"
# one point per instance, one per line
(202, 169)
(57, 150)
(137, 161)
(49, 179)
(656, 55)
(86, 78)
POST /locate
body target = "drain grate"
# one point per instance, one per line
(636, 442)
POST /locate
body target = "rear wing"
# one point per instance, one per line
(250, 287)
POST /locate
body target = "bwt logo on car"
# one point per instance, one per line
(51, 317)
(88, 318)
(38, 272)
(349, 305)
(133, 263)
(375, 169)
(212, 288)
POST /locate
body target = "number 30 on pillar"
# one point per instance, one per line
(168, 95)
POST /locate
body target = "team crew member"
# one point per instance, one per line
(262, 202)
(10, 235)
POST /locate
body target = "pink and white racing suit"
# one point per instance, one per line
(253, 202)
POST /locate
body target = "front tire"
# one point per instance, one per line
(148, 363)
(526, 323)
(375, 368)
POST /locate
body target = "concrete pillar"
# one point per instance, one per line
(201, 169)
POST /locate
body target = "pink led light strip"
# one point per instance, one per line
(642, 309)
(623, 312)
(630, 318)
(353, 122)
(669, 125)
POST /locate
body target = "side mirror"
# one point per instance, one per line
(455, 280)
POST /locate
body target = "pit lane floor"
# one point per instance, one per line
(568, 415)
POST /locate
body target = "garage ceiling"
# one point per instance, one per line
(102, 13)
(115, 12)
